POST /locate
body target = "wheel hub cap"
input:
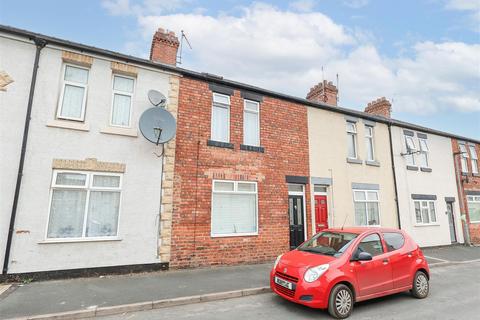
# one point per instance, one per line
(343, 302)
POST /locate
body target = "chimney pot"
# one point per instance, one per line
(324, 92)
(380, 107)
(164, 47)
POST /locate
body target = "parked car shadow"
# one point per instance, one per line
(304, 311)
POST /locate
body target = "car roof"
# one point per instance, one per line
(360, 230)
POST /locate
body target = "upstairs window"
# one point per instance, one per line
(352, 139)
(84, 205)
(366, 207)
(411, 149)
(74, 93)
(474, 159)
(423, 155)
(221, 118)
(369, 143)
(251, 123)
(425, 212)
(463, 158)
(122, 101)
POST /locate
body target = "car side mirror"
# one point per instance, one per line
(364, 256)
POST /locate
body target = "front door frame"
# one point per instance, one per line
(302, 194)
(450, 203)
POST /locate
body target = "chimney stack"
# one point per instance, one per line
(324, 92)
(380, 107)
(164, 47)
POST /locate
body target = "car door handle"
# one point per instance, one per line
(385, 261)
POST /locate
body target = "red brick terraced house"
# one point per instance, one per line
(241, 172)
(468, 182)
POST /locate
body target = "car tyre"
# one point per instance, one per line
(420, 286)
(340, 302)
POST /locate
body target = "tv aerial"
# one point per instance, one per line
(156, 124)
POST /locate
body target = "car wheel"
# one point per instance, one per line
(340, 302)
(420, 287)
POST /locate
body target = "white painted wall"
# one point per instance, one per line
(13, 106)
(440, 182)
(140, 205)
(328, 153)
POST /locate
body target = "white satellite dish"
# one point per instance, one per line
(157, 98)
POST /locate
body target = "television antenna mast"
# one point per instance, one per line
(183, 37)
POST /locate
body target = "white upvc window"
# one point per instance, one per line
(369, 143)
(71, 105)
(251, 123)
(352, 139)
(220, 118)
(366, 207)
(473, 159)
(84, 205)
(234, 208)
(464, 158)
(423, 154)
(425, 212)
(411, 149)
(122, 101)
(473, 203)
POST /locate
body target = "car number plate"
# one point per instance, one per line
(283, 283)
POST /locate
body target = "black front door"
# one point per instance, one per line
(295, 211)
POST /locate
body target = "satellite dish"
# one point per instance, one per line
(157, 98)
(157, 125)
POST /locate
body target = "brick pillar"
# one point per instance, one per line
(380, 107)
(164, 47)
(325, 92)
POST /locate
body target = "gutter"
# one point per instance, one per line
(40, 44)
(393, 172)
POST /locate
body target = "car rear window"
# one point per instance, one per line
(394, 240)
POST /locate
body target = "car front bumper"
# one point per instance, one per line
(314, 294)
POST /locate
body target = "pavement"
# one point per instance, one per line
(454, 294)
(88, 297)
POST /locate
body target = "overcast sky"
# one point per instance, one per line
(424, 54)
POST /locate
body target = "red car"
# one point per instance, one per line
(338, 267)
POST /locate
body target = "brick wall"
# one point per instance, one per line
(469, 182)
(283, 134)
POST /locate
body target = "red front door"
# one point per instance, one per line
(321, 213)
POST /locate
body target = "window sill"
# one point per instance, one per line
(66, 124)
(219, 144)
(412, 168)
(356, 161)
(372, 163)
(423, 169)
(75, 240)
(427, 225)
(234, 235)
(252, 148)
(129, 132)
(474, 222)
(475, 174)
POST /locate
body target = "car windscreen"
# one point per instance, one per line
(328, 243)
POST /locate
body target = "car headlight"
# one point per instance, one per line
(314, 273)
(277, 261)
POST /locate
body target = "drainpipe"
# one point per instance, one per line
(394, 176)
(463, 214)
(40, 44)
